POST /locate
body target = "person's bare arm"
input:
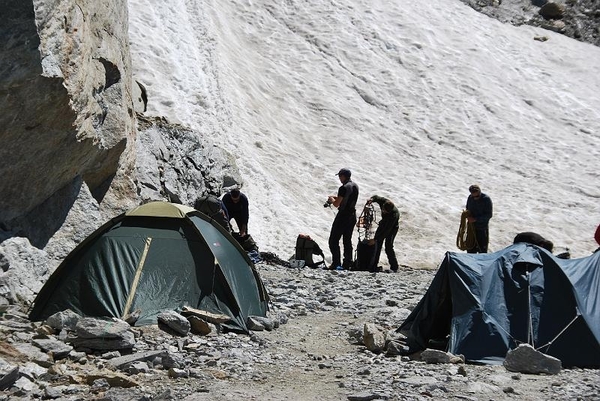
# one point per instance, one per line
(335, 200)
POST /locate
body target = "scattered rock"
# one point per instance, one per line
(57, 349)
(552, 10)
(102, 334)
(526, 359)
(314, 349)
(260, 323)
(437, 356)
(66, 319)
(215, 318)
(373, 338)
(201, 327)
(175, 322)
(140, 356)
(8, 376)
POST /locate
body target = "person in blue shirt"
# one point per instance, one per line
(480, 210)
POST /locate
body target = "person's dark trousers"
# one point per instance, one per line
(342, 227)
(482, 235)
(389, 251)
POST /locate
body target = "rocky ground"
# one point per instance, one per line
(316, 353)
(577, 19)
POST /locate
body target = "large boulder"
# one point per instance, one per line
(65, 95)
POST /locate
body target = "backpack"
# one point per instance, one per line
(212, 206)
(306, 249)
(246, 241)
(364, 256)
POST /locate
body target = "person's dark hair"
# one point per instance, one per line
(474, 188)
(235, 193)
(388, 206)
(345, 172)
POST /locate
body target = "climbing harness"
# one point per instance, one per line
(365, 222)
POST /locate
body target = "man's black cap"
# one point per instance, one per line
(345, 172)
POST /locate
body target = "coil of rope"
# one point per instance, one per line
(465, 239)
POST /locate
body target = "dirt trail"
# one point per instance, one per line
(303, 360)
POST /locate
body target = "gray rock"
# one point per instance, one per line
(175, 322)
(526, 359)
(552, 10)
(179, 163)
(25, 386)
(24, 268)
(201, 326)
(137, 367)
(175, 373)
(437, 356)
(258, 323)
(32, 370)
(396, 348)
(66, 319)
(52, 392)
(132, 317)
(374, 338)
(57, 349)
(35, 354)
(100, 384)
(140, 356)
(111, 355)
(103, 334)
(173, 360)
(90, 327)
(366, 397)
(8, 376)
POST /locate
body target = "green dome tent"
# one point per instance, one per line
(483, 305)
(159, 256)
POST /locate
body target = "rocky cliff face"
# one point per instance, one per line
(67, 111)
(75, 149)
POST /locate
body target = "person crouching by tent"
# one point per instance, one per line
(480, 210)
(535, 239)
(597, 238)
(236, 204)
(385, 233)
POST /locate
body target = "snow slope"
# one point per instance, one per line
(418, 99)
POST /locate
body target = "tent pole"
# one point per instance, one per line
(136, 279)
(529, 319)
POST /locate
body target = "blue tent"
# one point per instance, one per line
(483, 305)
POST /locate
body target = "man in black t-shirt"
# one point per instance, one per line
(344, 222)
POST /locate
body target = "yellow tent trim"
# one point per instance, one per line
(136, 279)
(161, 209)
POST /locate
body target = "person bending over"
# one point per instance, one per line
(385, 233)
(236, 204)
